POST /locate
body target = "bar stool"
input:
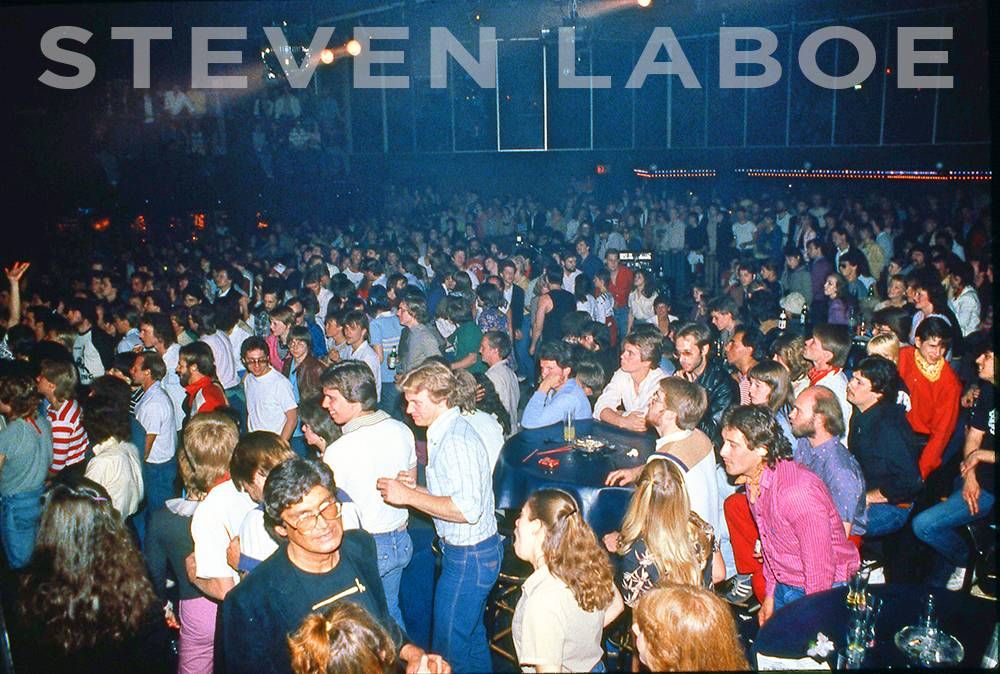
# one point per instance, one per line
(503, 599)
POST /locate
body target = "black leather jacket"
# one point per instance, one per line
(722, 392)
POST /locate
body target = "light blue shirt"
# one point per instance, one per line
(385, 331)
(545, 410)
(458, 467)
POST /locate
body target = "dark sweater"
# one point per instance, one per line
(168, 543)
(882, 441)
(272, 601)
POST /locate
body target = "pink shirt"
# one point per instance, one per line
(801, 534)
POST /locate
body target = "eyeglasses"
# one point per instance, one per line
(306, 522)
(255, 361)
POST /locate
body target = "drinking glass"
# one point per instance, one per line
(569, 430)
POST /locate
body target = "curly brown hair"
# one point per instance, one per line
(87, 584)
(18, 390)
(571, 550)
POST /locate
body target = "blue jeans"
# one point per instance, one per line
(525, 363)
(885, 518)
(158, 486)
(938, 526)
(786, 594)
(19, 516)
(394, 550)
(468, 573)
(621, 318)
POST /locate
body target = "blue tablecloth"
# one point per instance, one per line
(580, 474)
(969, 619)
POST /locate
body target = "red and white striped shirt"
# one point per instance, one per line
(69, 440)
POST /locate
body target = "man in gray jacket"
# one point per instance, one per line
(419, 340)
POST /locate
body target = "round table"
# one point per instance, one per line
(582, 475)
(969, 619)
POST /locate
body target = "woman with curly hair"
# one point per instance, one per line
(682, 628)
(25, 456)
(347, 640)
(86, 604)
(787, 349)
(571, 596)
(661, 537)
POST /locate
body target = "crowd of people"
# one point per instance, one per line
(232, 438)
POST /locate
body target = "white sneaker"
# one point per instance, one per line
(957, 579)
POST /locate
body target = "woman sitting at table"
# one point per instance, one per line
(571, 596)
(685, 628)
(661, 538)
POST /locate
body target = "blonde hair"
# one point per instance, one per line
(435, 378)
(689, 629)
(347, 640)
(572, 553)
(208, 443)
(659, 514)
(885, 344)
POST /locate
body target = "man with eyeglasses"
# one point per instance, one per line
(319, 566)
(270, 399)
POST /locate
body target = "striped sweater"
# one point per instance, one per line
(69, 440)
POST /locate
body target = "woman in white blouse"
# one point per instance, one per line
(640, 300)
(571, 596)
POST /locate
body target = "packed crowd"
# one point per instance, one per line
(232, 438)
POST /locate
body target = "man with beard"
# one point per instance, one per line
(196, 370)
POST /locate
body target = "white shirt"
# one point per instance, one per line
(641, 307)
(569, 280)
(366, 354)
(115, 466)
(225, 361)
(268, 399)
(621, 391)
(324, 298)
(489, 431)
(743, 233)
(213, 526)
(355, 277)
(236, 336)
(505, 382)
(373, 445)
(155, 413)
(87, 359)
(172, 383)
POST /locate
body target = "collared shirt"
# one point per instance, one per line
(550, 628)
(551, 408)
(373, 445)
(155, 413)
(801, 534)
(115, 466)
(621, 391)
(129, 341)
(458, 467)
(841, 473)
(505, 382)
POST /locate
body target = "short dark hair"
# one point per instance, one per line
(354, 380)
(357, 318)
(312, 414)
(153, 362)
(723, 304)
(289, 482)
(105, 410)
(416, 302)
(200, 355)
(253, 343)
(500, 341)
(160, 323)
(301, 333)
(898, 319)
(558, 351)
(84, 306)
(590, 372)
(752, 338)
(257, 451)
(760, 428)
(701, 333)
(882, 374)
(934, 326)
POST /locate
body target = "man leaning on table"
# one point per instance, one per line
(625, 399)
(803, 542)
(558, 392)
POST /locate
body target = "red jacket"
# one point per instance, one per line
(933, 409)
(621, 285)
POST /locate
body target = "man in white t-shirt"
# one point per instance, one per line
(270, 399)
(155, 413)
(373, 445)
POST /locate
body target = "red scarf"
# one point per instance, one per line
(815, 375)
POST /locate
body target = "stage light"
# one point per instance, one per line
(326, 56)
(353, 47)
(644, 3)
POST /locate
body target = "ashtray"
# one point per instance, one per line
(931, 647)
(548, 463)
(588, 444)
